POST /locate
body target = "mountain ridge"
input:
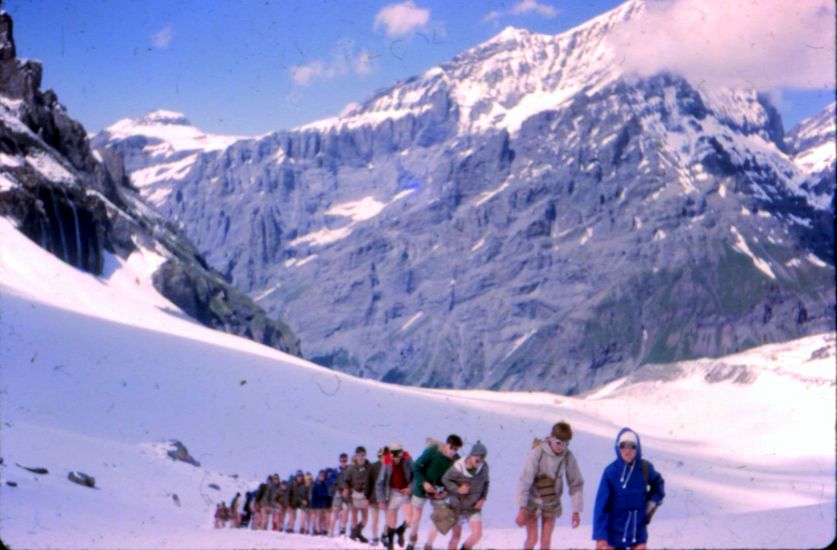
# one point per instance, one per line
(547, 254)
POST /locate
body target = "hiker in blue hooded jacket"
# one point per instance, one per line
(625, 501)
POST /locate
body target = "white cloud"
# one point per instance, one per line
(162, 38)
(529, 6)
(345, 60)
(765, 45)
(521, 8)
(401, 19)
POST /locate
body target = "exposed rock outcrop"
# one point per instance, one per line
(79, 205)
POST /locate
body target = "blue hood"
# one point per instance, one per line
(638, 444)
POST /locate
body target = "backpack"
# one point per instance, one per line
(645, 475)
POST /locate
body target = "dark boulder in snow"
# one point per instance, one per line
(179, 452)
(82, 479)
(39, 471)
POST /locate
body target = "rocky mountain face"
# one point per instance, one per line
(522, 217)
(76, 203)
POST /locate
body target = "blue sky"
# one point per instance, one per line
(255, 66)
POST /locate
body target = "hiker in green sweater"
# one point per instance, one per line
(428, 470)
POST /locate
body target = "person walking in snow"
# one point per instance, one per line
(249, 499)
(393, 491)
(260, 516)
(428, 470)
(629, 492)
(320, 504)
(281, 503)
(359, 486)
(270, 508)
(307, 517)
(234, 512)
(299, 498)
(340, 502)
(221, 515)
(467, 484)
(542, 484)
(373, 500)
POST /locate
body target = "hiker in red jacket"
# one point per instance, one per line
(393, 492)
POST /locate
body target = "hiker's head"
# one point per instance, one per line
(396, 451)
(452, 445)
(562, 430)
(477, 454)
(628, 443)
(560, 437)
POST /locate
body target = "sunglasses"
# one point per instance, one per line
(557, 441)
(627, 445)
(396, 453)
(478, 460)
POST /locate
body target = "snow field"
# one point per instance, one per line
(97, 373)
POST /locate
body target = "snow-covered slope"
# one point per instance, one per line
(97, 374)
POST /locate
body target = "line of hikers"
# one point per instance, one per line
(350, 496)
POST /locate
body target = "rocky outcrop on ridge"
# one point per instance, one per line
(78, 204)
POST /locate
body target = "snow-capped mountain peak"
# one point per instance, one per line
(163, 116)
(167, 139)
(503, 81)
(812, 141)
(169, 132)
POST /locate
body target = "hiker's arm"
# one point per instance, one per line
(449, 482)
(527, 477)
(658, 484)
(601, 509)
(575, 481)
(421, 464)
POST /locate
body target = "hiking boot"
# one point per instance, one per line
(353, 534)
(400, 532)
(360, 536)
(390, 538)
(374, 541)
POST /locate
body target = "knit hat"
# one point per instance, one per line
(478, 449)
(627, 437)
(395, 447)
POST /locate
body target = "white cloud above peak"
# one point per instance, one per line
(401, 19)
(522, 8)
(777, 44)
(162, 38)
(345, 60)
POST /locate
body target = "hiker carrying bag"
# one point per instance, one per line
(444, 517)
(545, 484)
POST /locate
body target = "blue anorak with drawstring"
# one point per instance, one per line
(619, 515)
